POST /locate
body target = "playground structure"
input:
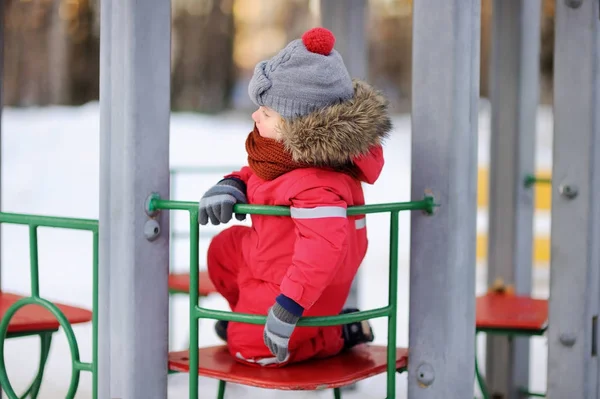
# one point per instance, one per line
(130, 359)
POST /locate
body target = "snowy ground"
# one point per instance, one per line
(50, 166)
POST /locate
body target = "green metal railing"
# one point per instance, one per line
(530, 180)
(175, 233)
(34, 222)
(389, 311)
(510, 333)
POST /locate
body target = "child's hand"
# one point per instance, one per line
(278, 330)
(217, 203)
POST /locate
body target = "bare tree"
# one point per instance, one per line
(203, 72)
(51, 54)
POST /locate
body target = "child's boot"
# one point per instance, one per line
(221, 329)
(359, 332)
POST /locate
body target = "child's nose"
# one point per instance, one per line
(255, 116)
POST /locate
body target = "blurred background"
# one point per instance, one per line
(52, 49)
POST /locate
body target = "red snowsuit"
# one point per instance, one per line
(311, 257)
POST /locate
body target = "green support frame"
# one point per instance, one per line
(35, 221)
(174, 233)
(509, 333)
(389, 311)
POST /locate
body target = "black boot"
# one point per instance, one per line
(359, 332)
(221, 329)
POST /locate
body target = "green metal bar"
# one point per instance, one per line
(526, 393)
(45, 343)
(427, 204)
(481, 380)
(314, 321)
(194, 267)
(33, 259)
(94, 370)
(221, 392)
(392, 303)
(83, 366)
(530, 180)
(64, 323)
(34, 222)
(337, 393)
(49, 221)
(511, 332)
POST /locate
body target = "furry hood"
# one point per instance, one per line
(342, 133)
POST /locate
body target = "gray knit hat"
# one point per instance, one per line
(306, 75)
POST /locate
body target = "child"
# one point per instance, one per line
(317, 136)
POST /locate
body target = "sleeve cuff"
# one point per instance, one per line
(290, 305)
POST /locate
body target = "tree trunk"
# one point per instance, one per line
(26, 52)
(51, 54)
(203, 73)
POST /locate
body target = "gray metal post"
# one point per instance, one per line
(135, 111)
(2, 5)
(514, 93)
(575, 230)
(347, 20)
(445, 87)
(103, 361)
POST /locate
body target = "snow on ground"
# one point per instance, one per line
(50, 165)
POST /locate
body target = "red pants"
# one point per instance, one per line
(246, 293)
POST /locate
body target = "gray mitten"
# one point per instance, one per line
(278, 330)
(217, 203)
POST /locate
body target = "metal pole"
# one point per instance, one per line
(104, 347)
(575, 231)
(444, 163)
(135, 111)
(2, 5)
(514, 93)
(347, 21)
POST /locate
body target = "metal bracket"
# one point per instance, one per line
(425, 375)
(149, 207)
(568, 191)
(151, 229)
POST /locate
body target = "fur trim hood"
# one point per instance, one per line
(341, 133)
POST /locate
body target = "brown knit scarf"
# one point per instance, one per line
(269, 159)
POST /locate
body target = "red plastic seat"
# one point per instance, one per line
(344, 369)
(511, 312)
(180, 282)
(32, 318)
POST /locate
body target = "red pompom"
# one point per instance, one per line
(318, 40)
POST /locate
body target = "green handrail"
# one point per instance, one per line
(427, 204)
(530, 180)
(34, 222)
